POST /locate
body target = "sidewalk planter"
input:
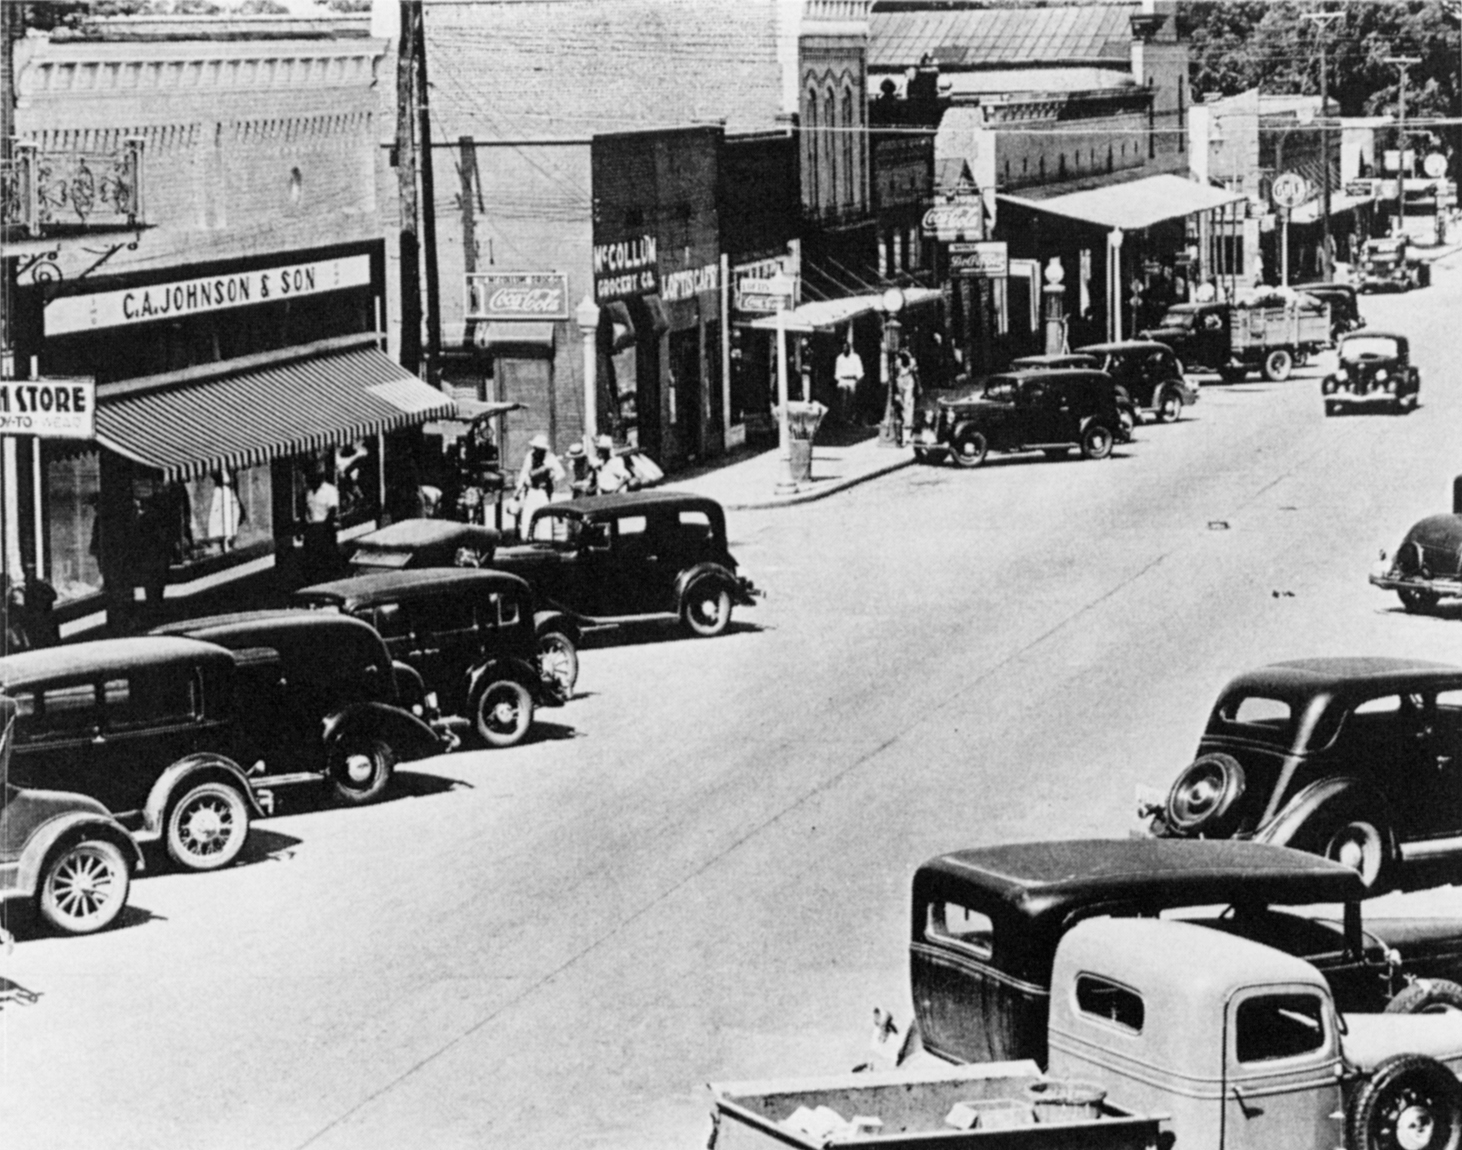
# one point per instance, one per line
(802, 423)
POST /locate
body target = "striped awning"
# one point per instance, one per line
(254, 416)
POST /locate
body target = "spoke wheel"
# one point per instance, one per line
(1427, 996)
(1277, 365)
(558, 663)
(207, 827)
(84, 887)
(1096, 442)
(706, 611)
(503, 713)
(360, 768)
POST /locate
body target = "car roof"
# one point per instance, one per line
(274, 619)
(1125, 345)
(1056, 375)
(1372, 333)
(425, 532)
(1040, 878)
(106, 656)
(1361, 672)
(1071, 358)
(643, 501)
(378, 585)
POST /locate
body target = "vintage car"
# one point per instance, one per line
(1427, 567)
(1357, 759)
(1126, 408)
(1149, 373)
(61, 854)
(146, 726)
(425, 543)
(986, 922)
(1390, 262)
(1373, 369)
(1240, 1045)
(1344, 306)
(326, 706)
(468, 633)
(1050, 411)
(650, 555)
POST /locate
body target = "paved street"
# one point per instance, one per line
(701, 871)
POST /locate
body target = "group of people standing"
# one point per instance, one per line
(543, 478)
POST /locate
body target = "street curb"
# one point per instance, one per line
(822, 492)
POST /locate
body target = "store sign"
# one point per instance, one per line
(689, 284)
(955, 221)
(1361, 189)
(49, 408)
(517, 295)
(627, 267)
(211, 293)
(751, 293)
(987, 259)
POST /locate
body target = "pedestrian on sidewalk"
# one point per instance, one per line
(540, 473)
(848, 374)
(611, 475)
(908, 392)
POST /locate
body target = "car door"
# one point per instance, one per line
(445, 641)
(151, 718)
(631, 579)
(1279, 1070)
(1211, 338)
(55, 725)
(1038, 413)
(1434, 805)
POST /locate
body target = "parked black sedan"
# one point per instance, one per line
(1356, 759)
(425, 543)
(1149, 373)
(1427, 567)
(1374, 370)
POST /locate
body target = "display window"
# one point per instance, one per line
(73, 541)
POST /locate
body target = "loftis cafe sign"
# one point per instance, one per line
(211, 293)
(626, 267)
(517, 295)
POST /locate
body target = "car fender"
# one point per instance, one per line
(409, 738)
(194, 768)
(77, 824)
(409, 683)
(518, 670)
(1300, 813)
(714, 571)
(556, 620)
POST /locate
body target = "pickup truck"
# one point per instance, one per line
(1269, 335)
(1164, 1034)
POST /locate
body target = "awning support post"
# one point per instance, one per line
(1114, 284)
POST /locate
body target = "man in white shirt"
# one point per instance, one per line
(848, 373)
(613, 475)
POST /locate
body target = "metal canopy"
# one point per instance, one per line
(1134, 205)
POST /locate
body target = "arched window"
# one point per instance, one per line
(810, 151)
(850, 151)
(834, 143)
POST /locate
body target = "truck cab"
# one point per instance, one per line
(1244, 1049)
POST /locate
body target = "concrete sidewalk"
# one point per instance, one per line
(751, 483)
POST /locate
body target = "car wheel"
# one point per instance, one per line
(1096, 441)
(1170, 409)
(1277, 365)
(206, 828)
(360, 768)
(1204, 794)
(1365, 848)
(1057, 452)
(705, 611)
(502, 713)
(970, 449)
(1409, 1102)
(558, 663)
(84, 887)
(1427, 996)
(1417, 602)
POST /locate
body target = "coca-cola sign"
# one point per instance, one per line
(517, 295)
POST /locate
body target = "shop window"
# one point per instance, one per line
(73, 539)
(230, 510)
(350, 473)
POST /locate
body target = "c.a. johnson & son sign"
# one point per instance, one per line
(211, 293)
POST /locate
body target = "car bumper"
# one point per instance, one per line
(747, 593)
(1451, 588)
(1363, 399)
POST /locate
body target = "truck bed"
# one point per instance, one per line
(1258, 327)
(912, 1108)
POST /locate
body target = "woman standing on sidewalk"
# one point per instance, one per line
(908, 390)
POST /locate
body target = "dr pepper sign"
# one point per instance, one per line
(48, 408)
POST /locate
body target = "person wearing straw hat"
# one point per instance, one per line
(612, 475)
(581, 475)
(540, 473)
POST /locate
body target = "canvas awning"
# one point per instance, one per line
(831, 314)
(253, 416)
(1308, 213)
(1134, 205)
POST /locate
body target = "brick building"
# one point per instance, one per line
(202, 239)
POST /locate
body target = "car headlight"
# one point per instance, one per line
(1381, 376)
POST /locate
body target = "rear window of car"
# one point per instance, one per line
(1110, 1001)
(953, 922)
(1260, 717)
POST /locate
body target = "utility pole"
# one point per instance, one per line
(432, 367)
(406, 163)
(1402, 62)
(1327, 254)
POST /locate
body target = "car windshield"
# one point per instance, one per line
(1373, 346)
(1182, 319)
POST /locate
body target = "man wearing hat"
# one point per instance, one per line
(536, 480)
(613, 474)
(582, 478)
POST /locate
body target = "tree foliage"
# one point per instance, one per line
(1237, 46)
